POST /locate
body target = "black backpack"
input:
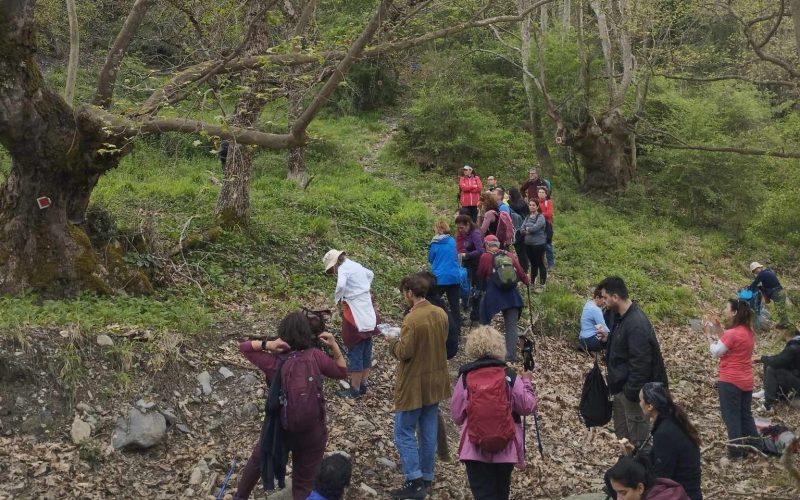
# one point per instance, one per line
(595, 406)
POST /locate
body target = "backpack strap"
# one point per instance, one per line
(511, 378)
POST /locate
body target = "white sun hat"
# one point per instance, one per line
(331, 258)
(754, 266)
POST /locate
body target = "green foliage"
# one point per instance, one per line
(371, 84)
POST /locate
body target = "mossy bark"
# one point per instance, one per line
(603, 146)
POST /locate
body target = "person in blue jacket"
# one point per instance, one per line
(443, 258)
(592, 323)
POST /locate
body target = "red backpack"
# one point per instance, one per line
(490, 423)
(302, 404)
(505, 228)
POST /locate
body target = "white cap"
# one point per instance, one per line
(467, 167)
(331, 258)
(754, 266)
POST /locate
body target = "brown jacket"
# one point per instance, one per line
(422, 378)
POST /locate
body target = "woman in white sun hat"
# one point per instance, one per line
(359, 318)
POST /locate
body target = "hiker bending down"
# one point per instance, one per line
(781, 372)
(633, 359)
(632, 479)
(767, 282)
(534, 229)
(359, 319)
(333, 477)
(499, 272)
(295, 408)
(421, 382)
(676, 443)
(488, 401)
(735, 351)
(443, 259)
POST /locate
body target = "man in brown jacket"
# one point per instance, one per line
(422, 380)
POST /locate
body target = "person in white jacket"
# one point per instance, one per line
(359, 319)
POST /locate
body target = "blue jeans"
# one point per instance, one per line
(591, 344)
(417, 460)
(734, 404)
(548, 252)
(359, 357)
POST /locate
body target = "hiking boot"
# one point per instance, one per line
(759, 394)
(428, 485)
(414, 489)
(538, 289)
(362, 390)
(348, 394)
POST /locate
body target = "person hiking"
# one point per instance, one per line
(488, 400)
(491, 214)
(469, 188)
(632, 479)
(592, 323)
(443, 259)
(633, 358)
(535, 240)
(519, 206)
(333, 477)
(766, 281)
(472, 239)
(421, 382)
(491, 183)
(781, 372)
(546, 208)
(293, 349)
(531, 186)
(734, 349)
(500, 195)
(359, 318)
(675, 453)
(499, 272)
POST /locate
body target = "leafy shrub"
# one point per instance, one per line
(371, 84)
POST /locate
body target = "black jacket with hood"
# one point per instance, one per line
(787, 359)
(633, 356)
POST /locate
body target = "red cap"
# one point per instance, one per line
(491, 237)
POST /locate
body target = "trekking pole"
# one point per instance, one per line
(528, 363)
(221, 493)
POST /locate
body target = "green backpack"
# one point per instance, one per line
(504, 275)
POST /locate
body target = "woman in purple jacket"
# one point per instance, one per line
(469, 235)
(489, 474)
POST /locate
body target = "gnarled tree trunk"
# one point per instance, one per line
(603, 147)
(296, 160)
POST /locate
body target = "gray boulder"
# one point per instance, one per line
(139, 430)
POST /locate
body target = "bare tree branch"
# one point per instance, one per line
(795, 6)
(605, 44)
(74, 52)
(713, 149)
(759, 48)
(108, 74)
(689, 78)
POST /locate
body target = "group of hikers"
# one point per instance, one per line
(479, 272)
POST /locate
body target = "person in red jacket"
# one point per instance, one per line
(546, 208)
(469, 187)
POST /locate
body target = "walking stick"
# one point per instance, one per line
(221, 493)
(528, 364)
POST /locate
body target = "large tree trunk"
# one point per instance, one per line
(233, 203)
(296, 160)
(603, 146)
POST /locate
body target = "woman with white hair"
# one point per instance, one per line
(488, 401)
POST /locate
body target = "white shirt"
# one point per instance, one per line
(352, 280)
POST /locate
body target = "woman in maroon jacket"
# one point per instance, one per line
(294, 334)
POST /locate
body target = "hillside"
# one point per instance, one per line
(367, 199)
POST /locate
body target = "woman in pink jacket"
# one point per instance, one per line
(492, 439)
(469, 190)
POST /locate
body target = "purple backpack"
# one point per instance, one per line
(302, 404)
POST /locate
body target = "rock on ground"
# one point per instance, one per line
(104, 340)
(139, 430)
(80, 430)
(205, 382)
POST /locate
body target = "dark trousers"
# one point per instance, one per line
(307, 450)
(778, 383)
(522, 254)
(473, 213)
(453, 293)
(489, 481)
(536, 257)
(734, 404)
(590, 344)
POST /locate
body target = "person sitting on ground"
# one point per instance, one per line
(492, 439)
(333, 478)
(499, 272)
(443, 259)
(675, 453)
(359, 318)
(421, 382)
(295, 342)
(768, 283)
(781, 372)
(535, 240)
(469, 188)
(546, 208)
(592, 323)
(473, 245)
(734, 349)
(531, 187)
(631, 479)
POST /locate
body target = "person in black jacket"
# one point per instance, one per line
(633, 359)
(781, 372)
(766, 280)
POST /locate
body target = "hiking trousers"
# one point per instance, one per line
(734, 404)
(307, 450)
(522, 254)
(489, 481)
(629, 420)
(538, 265)
(453, 293)
(779, 383)
(511, 325)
